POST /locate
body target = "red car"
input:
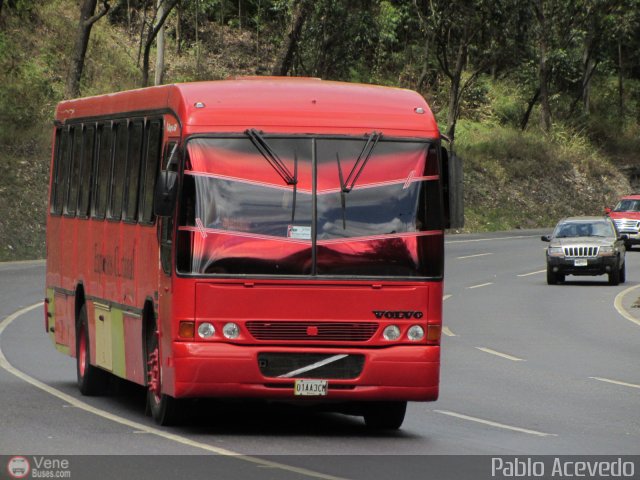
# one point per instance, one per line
(626, 215)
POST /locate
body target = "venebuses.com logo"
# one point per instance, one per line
(18, 467)
(38, 467)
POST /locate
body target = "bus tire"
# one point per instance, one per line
(91, 380)
(384, 415)
(164, 409)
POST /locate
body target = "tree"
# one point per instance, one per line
(460, 32)
(88, 18)
(543, 67)
(302, 9)
(160, 48)
(163, 9)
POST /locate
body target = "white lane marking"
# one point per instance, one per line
(496, 424)
(481, 285)
(448, 332)
(615, 382)
(139, 427)
(474, 256)
(532, 273)
(500, 354)
(446, 297)
(621, 310)
(489, 239)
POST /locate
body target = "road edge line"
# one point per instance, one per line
(6, 365)
(617, 304)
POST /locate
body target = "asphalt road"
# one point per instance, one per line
(527, 369)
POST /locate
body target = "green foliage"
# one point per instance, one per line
(517, 179)
(512, 178)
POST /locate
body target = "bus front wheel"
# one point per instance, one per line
(164, 408)
(91, 380)
(384, 415)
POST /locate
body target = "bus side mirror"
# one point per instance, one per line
(446, 187)
(452, 189)
(166, 192)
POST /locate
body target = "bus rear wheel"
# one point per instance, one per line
(163, 408)
(384, 415)
(91, 380)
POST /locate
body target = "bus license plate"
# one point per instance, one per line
(580, 262)
(314, 388)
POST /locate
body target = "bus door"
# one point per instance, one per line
(170, 160)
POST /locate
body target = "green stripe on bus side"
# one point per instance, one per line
(63, 348)
(117, 343)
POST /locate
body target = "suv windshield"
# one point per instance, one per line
(241, 215)
(584, 229)
(627, 206)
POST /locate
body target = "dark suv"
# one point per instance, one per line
(585, 246)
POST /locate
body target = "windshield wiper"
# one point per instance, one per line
(267, 152)
(278, 165)
(347, 185)
(358, 167)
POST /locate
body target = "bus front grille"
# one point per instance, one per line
(313, 364)
(313, 331)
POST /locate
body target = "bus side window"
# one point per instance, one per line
(133, 171)
(86, 171)
(103, 171)
(71, 204)
(153, 139)
(62, 173)
(118, 172)
(54, 171)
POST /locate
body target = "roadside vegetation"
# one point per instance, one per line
(522, 167)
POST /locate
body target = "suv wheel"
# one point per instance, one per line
(552, 277)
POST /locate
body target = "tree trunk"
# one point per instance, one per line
(425, 68)
(160, 48)
(620, 82)
(151, 36)
(543, 69)
(87, 19)
(455, 92)
(527, 114)
(284, 62)
(1, 7)
(179, 30)
(588, 69)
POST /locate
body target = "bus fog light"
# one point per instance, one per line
(206, 330)
(231, 330)
(391, 333)
(415, 333)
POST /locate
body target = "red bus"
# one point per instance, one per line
(272, 238)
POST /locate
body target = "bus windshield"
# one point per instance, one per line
(240, 215)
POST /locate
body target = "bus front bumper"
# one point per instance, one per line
(229, 371)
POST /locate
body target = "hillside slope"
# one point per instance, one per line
(512, 179)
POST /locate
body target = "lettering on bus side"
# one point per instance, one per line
(398, 314)
(114, 265)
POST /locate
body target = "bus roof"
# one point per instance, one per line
(276, 103)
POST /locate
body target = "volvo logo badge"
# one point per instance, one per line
(398, 314)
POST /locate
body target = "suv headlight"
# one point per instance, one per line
(556, 252)
(605, 251)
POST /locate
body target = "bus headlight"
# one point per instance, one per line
(391, 333)
(231, 330)
(206, 330)
(415, 333)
